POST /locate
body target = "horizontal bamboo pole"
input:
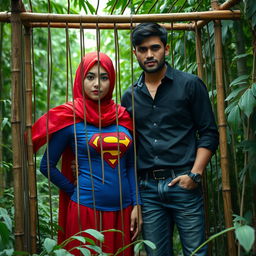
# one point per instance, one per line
(124, 26)
(5, 17)
(166, 17)
(89, 21)
(225, 6)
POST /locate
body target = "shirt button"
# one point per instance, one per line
(155, 140)
(155, 124)
(154, 106)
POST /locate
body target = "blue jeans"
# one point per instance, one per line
(163, 207)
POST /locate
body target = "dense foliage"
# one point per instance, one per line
(51, 49)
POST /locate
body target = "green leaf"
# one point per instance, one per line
(96, 234)
(250, 8)
(235, 92)
(90, 7)
(246, 236)
(79, 238)
(49, 244)
(89, 240)
(62, 252)
(149, 244)
(3, 212)
(4, 232)
(112, 230)
(94, 248)
(247, 102)
(212, 93)
(238, 220)
(9, 252)
(6, 252)
(231, 106)
(248, 145)
(239, 80)
(6, 218)
(240, 56)
(138, 247)
(84, 251)
(254, 89)
(5, 122)
(82, 4)
(234, 119)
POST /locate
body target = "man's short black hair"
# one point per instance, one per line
(145, 30)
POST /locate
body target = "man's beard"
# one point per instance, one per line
(159, 66)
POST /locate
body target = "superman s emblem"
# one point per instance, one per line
(110, 146)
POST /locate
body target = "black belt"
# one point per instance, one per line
(162, 174)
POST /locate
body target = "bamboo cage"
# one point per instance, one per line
(195, 21)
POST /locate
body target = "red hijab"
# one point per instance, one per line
(83, 108)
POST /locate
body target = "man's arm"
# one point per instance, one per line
(203, 156)
(207, 130)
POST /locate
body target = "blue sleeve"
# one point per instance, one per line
(208, 136)
(56, 147)
(135, 195)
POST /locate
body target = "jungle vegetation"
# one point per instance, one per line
(239, 62)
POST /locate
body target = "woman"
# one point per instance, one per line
(103, 198)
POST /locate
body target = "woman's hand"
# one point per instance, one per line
(136, 221)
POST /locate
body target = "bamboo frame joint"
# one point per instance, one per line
(19, 233)
(222, 125)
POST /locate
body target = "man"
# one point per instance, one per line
(177, 136)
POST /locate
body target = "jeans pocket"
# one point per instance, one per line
(188, 189)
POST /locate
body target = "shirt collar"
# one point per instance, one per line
(169, 75)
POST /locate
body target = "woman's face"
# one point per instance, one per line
(96, 84)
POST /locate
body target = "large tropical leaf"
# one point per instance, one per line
(247, 102)
(234, 118)
(246, 236)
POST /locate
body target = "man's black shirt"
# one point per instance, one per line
(174, 124)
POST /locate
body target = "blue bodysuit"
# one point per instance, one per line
(116, 175)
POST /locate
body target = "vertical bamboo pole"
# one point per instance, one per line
(199, 54)
(2, 174)
(226, 191)
(200, 69)
(253, 136)
(31, 169)
(16, 126)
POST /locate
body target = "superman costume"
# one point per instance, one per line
(105, 193)
(94, 202)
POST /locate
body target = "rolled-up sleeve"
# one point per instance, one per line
(208, 135)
